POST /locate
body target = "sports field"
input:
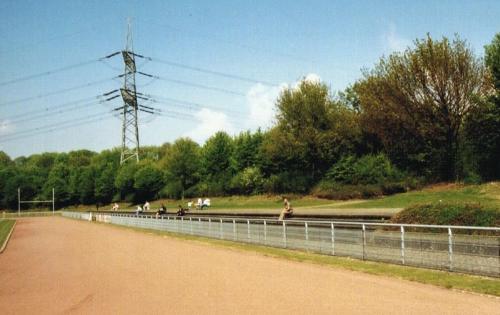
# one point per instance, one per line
(57, 265)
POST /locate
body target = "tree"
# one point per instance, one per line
(182, 166)
(416, 103)
(313, 131)
(124, 181)
(148, 181)
(86, 186)
(5, 160)
(246, 150)
(17, 178)
(216, 164)
(104, 184)
(482, 131)
(58, 180)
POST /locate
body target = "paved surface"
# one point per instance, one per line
(57, 265)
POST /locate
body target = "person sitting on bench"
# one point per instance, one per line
(138, 210)
(287, 210)
(206, 204)
(181, 212)
(161, 211)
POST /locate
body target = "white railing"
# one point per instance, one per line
(455, 248)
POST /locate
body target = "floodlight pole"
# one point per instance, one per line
(18, 201)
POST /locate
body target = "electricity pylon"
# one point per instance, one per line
(130, 128)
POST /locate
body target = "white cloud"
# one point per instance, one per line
(208, 123)
(393, 41)
(312, 78)
(6, 127)
(261, 101)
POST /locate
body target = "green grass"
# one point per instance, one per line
(5, 227)
(259, 202)
(488, 195)
(477, 284)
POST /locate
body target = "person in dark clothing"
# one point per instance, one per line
(181, 212)
(161, 211)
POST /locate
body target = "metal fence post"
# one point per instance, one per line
(53, 201)
(248, 230)
(265, 232)
(221, 232)
(182, 224)
(402, 244)
(234, 229)
(450, 248)
(191, 226)
(333, 238)
(209, 226)
(284, 234)
(306, 232)
(364, 240)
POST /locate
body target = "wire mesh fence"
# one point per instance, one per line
(474, 250)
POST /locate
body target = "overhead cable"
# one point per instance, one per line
(56, 92)
(53, 71)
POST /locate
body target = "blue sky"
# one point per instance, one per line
(277, 42)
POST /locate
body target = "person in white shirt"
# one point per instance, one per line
(206, 203)
(115, 207)
(199, 204)
(146, 206)
(138, 210)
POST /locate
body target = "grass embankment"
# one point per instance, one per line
(5, 227)
(223, 204)
(484, 285)
(487, 195)
(440, 213)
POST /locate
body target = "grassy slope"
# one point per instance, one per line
(486, 194)
(5, 226)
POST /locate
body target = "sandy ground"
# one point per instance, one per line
(57, 265)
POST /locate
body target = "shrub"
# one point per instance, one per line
(367, 170)
(366, 177)
(448, 214)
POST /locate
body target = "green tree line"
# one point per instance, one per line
(430, 113)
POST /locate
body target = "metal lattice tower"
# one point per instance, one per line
(130, 128)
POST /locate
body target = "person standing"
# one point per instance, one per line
(146, 206)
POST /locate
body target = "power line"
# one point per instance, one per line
(57, 92)
(192, 84)
(51, 113)
(212, 72)
(56, 129)
(56, 126)
(190, 105)
(54, 71)
(50, 108)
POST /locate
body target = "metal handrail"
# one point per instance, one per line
(460, 227)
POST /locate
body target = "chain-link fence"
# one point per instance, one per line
(472, 250)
